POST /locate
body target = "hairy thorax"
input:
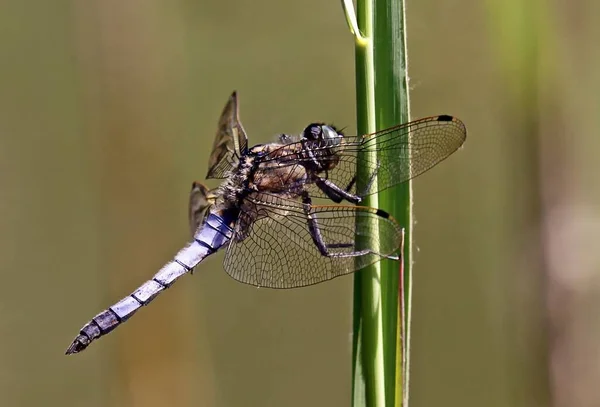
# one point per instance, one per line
(254, 177)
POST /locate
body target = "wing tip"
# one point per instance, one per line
(456, 120)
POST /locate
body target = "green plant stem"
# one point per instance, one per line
(380, 351)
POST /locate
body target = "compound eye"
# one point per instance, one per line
(313, 132)
(331, 135)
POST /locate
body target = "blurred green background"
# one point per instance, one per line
(107, 114)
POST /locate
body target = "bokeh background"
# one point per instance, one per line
(107, 114)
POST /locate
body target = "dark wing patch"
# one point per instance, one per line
(230, 142)
(200, 199)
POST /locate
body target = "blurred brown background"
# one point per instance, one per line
(107, 113)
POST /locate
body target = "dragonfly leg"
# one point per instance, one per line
(285, 138)
(351, 183)
(372, 177)
(335, 193)
(317, 237)
(369, 184)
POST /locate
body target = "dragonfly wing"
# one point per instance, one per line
(274, 247)
(201, 198)
(230, 142)
(408, 150)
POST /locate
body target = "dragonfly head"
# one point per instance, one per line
(323, 132)
(322, 140)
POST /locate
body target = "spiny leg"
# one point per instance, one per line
(335, 193)
(369, 184)
(317, 237)
(372, 178)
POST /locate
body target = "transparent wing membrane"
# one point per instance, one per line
(277, 247)
(408, 150)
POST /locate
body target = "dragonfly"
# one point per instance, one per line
(267, 211)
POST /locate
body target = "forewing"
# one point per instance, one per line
(408, 150)
(273, 246)
(230, 142)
